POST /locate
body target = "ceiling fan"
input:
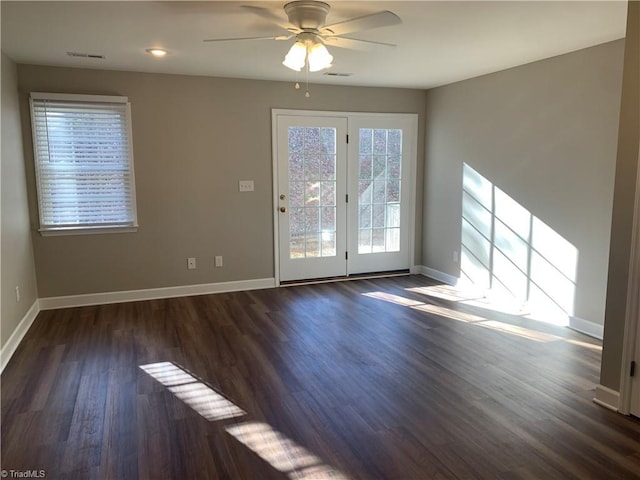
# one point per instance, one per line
(307, 23)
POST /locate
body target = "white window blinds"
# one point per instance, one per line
(84, 161)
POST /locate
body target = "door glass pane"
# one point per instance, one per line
(378, 216)
(364, 241)
(365, 167)
(296, 194)
(312, 167)
(328, 218)
(296, 220)
(312, 192)
(327, 167)
(328, 193)
(379, 195)
(365, 217)
(296, 166)
(296, 245)
(366, 141)
(328, 243)
(365, 192)
(313, 245)
(379, 170)
(379, 167)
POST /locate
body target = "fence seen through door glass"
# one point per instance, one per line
(380, 159)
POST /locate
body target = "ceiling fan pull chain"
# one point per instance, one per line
(307, 94)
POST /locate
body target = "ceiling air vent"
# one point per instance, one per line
(336, 74)
(86, 55)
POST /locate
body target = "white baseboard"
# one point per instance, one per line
(51, 303)
(18, 334)
(592, 329)
(438, 275)
(607, 398)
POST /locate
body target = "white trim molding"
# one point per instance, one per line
(438, 275)
(607, 398)
(631, 339)
(51, 303)
(587, 327)
(18, 334)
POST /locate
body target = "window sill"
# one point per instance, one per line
(56, 232)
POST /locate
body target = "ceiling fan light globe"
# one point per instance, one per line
(319, 58)
(293, 66)
(296, 57)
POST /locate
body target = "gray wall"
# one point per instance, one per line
(17, 269)
(623, 206)
(193, 139)
(544, 133)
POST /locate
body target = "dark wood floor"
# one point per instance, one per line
(376, 379)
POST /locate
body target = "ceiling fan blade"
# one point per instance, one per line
(366, 22)
(272, 37)
(272, 17)
(355, 43)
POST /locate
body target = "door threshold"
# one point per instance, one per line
(344, 278)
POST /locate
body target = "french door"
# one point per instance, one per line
(343, 195)
(311, 203)
(379, 184)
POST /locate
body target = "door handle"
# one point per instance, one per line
(283, 209)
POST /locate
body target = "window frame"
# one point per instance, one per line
(86, 228)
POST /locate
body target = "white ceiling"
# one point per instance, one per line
(437, 42)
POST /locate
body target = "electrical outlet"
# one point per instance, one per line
(218, 261)
(245, 185)
(191, 263)
(17, 293)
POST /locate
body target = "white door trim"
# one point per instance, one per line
(632, 316)
(413, 162)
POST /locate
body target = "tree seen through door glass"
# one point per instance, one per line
(312, 192)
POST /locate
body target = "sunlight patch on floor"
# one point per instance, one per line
(466, 317)
(591, 346)
(388, 297)
(465, 294)
(281, 452)
(520, 331)
(446, 292)
(199, 396)
(449, 313)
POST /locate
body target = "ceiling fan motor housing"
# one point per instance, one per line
(307, 14)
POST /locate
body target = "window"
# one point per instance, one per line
(84, 163)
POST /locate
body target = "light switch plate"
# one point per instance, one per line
(245, 185)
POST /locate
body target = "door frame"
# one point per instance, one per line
(631, 339)
(412, 174)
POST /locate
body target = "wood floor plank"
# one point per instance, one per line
(389, 378)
